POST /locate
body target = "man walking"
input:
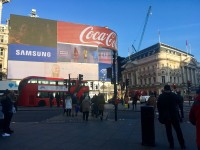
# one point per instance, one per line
(167, 105)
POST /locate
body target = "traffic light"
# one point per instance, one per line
(119, 68)
(123, 86)
(109, 72)
(91, 85)
(80, 78)
(127, 82)
(65, 82)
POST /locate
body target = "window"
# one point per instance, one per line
(163, 79)
(145, 81)
(154, 79)
(1, 51)
(170, 79)
(149, 80)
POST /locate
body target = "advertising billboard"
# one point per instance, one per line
(41, 47)
(32, 31)
(32, 53)
(88, 35)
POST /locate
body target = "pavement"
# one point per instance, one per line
(72, 133)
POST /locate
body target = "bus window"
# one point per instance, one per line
(45, 82)
(52, 82)
(43, 94)
(32, 81)
(60, 83)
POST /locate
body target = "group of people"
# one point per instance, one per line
(170, 109)
(72, 105)
(7, 101)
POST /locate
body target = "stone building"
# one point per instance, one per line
(151, 68)
(3, 50)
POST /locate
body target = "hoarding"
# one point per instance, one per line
(32, 53)
(41, 47)
(87, 35)
(32, 31)
(21, 69)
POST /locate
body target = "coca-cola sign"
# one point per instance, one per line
(87, 35)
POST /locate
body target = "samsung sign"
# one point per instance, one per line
(31, 53)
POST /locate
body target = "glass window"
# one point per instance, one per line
(163, 79)
(52, 82)
(32, 81)
(1, 51)
(149, 80)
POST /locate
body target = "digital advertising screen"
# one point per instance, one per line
(49, 48)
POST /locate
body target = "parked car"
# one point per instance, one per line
(144, 99)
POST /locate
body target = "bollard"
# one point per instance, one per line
(147, 123)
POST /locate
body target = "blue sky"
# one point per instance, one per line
(177, 21)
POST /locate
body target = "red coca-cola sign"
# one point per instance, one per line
(87, 35)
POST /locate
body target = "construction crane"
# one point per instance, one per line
(143, 31)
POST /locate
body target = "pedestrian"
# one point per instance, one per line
(167, 105)
(68, 104)
(63, 103)
(94, 105)
(152, 100)
(194, 116)
(7, 109)
(181, 114)
(74, 105)
(135, 98)
(51, 99)
(58, 98)
(86, 107)
(101, 103)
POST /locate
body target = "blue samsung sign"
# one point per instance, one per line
(32, 53)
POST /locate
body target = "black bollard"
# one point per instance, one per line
(148, 129)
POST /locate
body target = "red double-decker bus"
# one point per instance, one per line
(35, 91)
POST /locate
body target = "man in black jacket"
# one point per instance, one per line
(167, 105)
(7, 109)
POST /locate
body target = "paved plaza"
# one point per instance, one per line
(72, 133)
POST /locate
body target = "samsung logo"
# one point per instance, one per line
(32, 53)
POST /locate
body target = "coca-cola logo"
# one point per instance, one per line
(89, 35)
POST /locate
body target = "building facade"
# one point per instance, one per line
(3, 50)
(150, 69)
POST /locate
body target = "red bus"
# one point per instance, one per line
(35, 91)
(79, 88)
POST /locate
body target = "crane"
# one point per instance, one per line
(143, 31)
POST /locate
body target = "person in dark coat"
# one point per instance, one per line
(7, 109)
(58, 98)
(86, 107)
(101, 103)
(167, 105)
(194, 116)
(51, 100)
(74, 104)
